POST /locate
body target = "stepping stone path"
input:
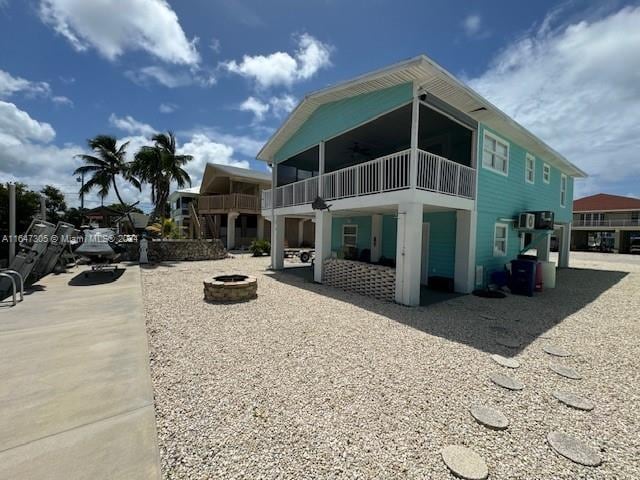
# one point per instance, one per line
(574, 401)
(464, 462)
(509, 342)
(567, 372)
(505, 381)
(489, 417)
(574, 449)
(556, 351)
(505, 362)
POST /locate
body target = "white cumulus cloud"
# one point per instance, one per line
(278, 106)
(205, 150)
(131, 125)
(16, 126)
(10, 85)
(577, 86)
(113, 27)
(255, 106)
(282, 68)
(282, 105)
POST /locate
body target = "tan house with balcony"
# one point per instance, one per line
(605, 222)
(229, 204)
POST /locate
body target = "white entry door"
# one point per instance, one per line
(424, 269)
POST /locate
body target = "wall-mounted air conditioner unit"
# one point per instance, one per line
(526, 221)
(544, 220)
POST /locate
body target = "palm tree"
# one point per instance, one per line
(108, 163)
(159, 165)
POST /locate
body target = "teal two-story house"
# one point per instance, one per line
(425, 182)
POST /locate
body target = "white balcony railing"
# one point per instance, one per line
(384, 174)
(438, 174)
(614, 222)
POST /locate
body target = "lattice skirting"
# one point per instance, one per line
(363, 278)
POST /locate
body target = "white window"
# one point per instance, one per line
(349, 235)
(563, 190)
(495, 155)
(546, 173)
(500, 240)
(530, 169)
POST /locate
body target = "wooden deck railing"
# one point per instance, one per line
(230, 202)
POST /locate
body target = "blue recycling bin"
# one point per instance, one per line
(523, 277)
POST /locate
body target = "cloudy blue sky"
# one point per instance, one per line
(223, 74)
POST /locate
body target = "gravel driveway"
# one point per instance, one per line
(308, 381)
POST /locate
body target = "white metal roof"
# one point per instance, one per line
(193, 191)
(213, 170)
(429, 77)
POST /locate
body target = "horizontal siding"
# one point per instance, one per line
(442, 250)
(336, 117)
(442, 243)
(389, 236)
(502, 196)
(363, 239)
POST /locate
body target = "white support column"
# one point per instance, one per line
(544, 247)
(301, 231)
(565, 246)
(617, 241)
(323, 242)
(277, 242)
(465, 271)
(376, 237)
(260, 228)
(320, 169)
(415, 122)
(409, 254)
(231, 230)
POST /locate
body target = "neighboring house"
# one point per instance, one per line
(601, 217)
(140, 222)
(421, 173)
(229, 204)
(102, 217)
(179, 201)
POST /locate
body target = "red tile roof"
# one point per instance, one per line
(604, 201)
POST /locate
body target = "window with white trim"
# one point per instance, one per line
(563, 190)
(495, 154)
(500, 232)
(349, 235)
(546, 173)
(530, 168)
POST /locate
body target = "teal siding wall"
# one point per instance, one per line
(389, 236)
(442, 243)
(502, 196)
(442, 249)
(336, 117)
(363, 239)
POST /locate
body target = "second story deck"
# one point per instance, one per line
(233, 202)
(388, 173)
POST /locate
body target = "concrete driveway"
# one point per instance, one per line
(76, 399)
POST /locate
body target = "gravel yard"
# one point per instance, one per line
(312, 382)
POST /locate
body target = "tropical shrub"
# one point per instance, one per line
(260, 248)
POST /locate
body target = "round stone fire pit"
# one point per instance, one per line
(230, 288)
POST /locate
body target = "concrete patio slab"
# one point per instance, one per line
(76, 399)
